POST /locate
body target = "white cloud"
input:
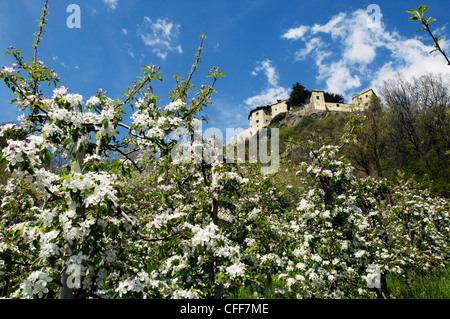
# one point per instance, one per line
(111, 3)
(311, 45)
(333, 26)
(273, 91)
(269, 71)
(124, 31)
(345, 51)
(338, 77)
(295, 33)
(161, 35)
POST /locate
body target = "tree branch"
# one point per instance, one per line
(135, 227)
(126, 155)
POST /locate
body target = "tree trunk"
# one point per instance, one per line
(219, 292)
(384, 290)
(66, 292)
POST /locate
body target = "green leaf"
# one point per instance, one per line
(421, 8)
(412, 11)
(105, 123)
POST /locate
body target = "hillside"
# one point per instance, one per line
(406, 136)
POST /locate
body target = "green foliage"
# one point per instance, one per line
(299, 96)
(277, 119)
(333, 98)
(407, 133)
(329, 126)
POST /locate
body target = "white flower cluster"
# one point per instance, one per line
(154, 124)
(18, 151)
(5, 128)
(35, 284)
(236, 270)
(102, 185)
(205, 236)
(47, 240)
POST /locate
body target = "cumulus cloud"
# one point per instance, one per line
(273, 90)
(162, 35)
(350, 54)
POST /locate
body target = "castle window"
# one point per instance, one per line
(318, 97)
(337, 105)
(257, 121)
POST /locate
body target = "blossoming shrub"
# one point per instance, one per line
(70, 223)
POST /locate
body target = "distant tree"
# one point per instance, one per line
(370, 154)
(419, 121)
(333, 98)
(299, 96)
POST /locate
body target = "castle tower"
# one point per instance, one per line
(260, 117)
(362, 99)
(317, 99)
(279, 107)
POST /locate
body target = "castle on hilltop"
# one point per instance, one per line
(262, 115)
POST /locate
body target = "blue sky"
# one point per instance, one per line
(263, 46)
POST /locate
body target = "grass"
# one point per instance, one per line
(427, 285)
(431, 285)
